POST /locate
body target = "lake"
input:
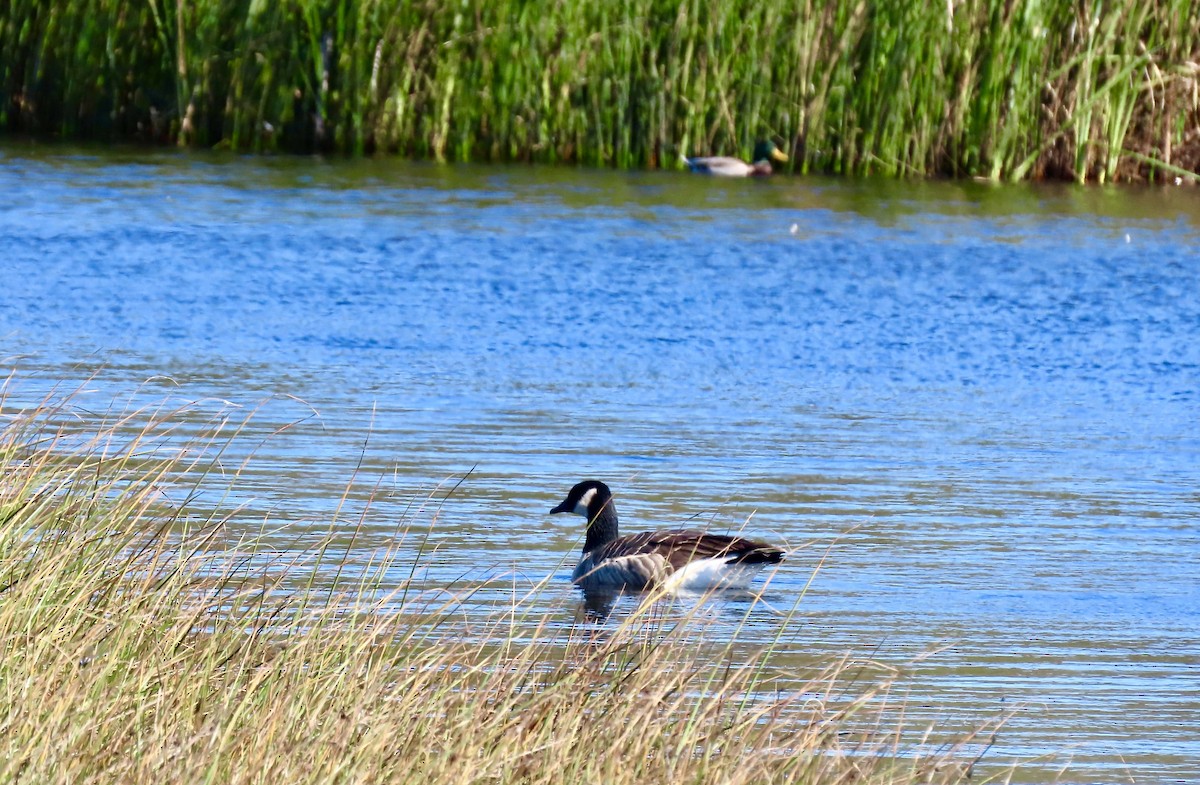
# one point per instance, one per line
(978, 404)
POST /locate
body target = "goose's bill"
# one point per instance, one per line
(562, 508)
(779, 155)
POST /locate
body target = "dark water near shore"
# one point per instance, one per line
(981, 401)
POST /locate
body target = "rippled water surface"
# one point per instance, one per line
(979, 403)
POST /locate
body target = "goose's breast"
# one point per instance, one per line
(635, 571)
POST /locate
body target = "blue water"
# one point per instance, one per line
(982, 400)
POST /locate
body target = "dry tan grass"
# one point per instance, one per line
(133, 651)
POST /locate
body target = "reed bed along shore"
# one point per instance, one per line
(144, 644)
(1086, 90)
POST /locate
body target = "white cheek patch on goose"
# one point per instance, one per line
(581, 506)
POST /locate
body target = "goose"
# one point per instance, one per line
(673, 559)
(723, 166)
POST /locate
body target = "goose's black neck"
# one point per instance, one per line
(602, 524)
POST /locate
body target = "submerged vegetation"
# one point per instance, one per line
(1091, 90)
(144, 644)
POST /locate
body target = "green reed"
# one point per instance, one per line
(1091, 90)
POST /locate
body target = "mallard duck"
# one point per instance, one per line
(722, 166)
(673, 559)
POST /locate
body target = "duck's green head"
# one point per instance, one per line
(766, 150)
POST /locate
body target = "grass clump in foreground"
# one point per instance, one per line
(141, 646)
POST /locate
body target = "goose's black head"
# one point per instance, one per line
(587, 498)
(592, 500)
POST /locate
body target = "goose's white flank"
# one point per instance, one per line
(674, 559)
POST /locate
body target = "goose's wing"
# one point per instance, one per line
(678, 547)
(690, 558)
